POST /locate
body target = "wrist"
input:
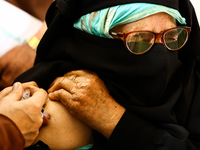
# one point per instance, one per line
(115, 115)
(33, 42)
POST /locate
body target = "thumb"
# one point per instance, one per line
(16, 93)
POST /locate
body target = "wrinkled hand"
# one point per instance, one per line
(25, 113)
(88, 99)
(14, 63)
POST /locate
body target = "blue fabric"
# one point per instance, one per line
(100, 22)
(87, 147)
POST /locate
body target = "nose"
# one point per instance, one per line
(158, 38)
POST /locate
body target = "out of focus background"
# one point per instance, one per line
(21, 28)
(196, 4)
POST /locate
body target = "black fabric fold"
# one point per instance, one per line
(38, 146)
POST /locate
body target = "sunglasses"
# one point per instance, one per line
(139, 42)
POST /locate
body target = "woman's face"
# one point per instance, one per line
(156, 23)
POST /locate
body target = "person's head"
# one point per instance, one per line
(139, 25)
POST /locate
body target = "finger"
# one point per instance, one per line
(80, 73)
(39, 96)
(63, 83)
(55, 95)
(33, 89)
(56, 80)
(60, 95)
(77, 73)
(28, 84)
(16, 93)
(64, 97)
(30, 137)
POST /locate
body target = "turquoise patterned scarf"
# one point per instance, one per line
(100, 22)
(87, 147)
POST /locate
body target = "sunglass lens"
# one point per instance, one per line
(175, 38)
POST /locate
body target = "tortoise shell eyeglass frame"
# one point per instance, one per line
(162, 35)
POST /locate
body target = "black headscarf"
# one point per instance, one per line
(158, 85)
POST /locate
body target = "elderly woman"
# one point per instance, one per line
(141, 90)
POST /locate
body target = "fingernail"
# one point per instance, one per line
(48, 91)
(16, 85)
(50, 94)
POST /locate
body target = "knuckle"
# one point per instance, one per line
(32, 137)
(61, 81)
(33, 83)
(37, 124)
(74, 89)
(61, 92)
(34, 134)
(40, 121)
(77, 104)
(92, 80)
(28, 143)
(36, 107)
(43, 92)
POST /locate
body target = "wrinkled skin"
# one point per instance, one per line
(88, 99)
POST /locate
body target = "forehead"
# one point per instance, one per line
(156, 23)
